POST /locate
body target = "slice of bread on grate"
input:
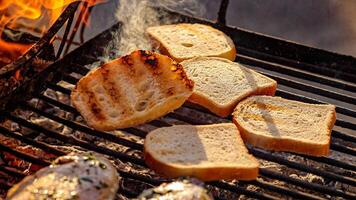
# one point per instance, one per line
(185, 41)
(220, 83)
(284, 125)
(131, 90)
(207, 152)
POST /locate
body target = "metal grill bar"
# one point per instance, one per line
(12, 172)
(65, 35)
(280, 160)
(316, 187)
(347, 74)
(75, 141)
(4, 185)
(27, 157)
(300, 97)
(307, 87)
(343, 136)
(296, 73)
(283, 190)
(222, 12)
(77, 126)
(32, 142)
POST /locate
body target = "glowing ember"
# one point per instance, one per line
(30, 16)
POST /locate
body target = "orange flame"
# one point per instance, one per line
(32, 16)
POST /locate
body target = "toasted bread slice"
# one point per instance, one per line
(74, 176)
(285, 125)
(220, 84)
(185, 41)
(131, 90)
(207, 152)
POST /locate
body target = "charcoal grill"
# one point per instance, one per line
(303, 73)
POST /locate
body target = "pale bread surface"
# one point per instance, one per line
(185, 41)
(220, 83)
(285, 125)
(207, 152)
(131, 90)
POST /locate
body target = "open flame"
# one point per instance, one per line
(29, 16)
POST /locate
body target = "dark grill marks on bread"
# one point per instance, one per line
(131, 90)
(127, 60)
(149, 58)
(93, 103)
(113, 91)
(178, 68)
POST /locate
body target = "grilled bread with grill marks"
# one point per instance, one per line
(131, 90)
(220, 83)
(75, 176)
(285, 125)
(207, 152)
(185, 41)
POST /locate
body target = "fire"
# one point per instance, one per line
(30, 16)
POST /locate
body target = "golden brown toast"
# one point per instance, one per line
(131, 90)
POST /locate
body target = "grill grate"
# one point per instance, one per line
(298, 78)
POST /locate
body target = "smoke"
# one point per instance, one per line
(137, 15)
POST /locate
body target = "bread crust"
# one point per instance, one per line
(285, 144)
(204, 174)
(230, 55)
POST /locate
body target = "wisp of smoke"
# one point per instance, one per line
(137, 15)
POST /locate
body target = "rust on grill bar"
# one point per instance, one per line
(303, 73)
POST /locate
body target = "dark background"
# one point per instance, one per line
(326, 24)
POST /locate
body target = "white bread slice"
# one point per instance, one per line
(131, 90)
(285, 125)
(220, 83)
(185, 41)
(207, 152)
